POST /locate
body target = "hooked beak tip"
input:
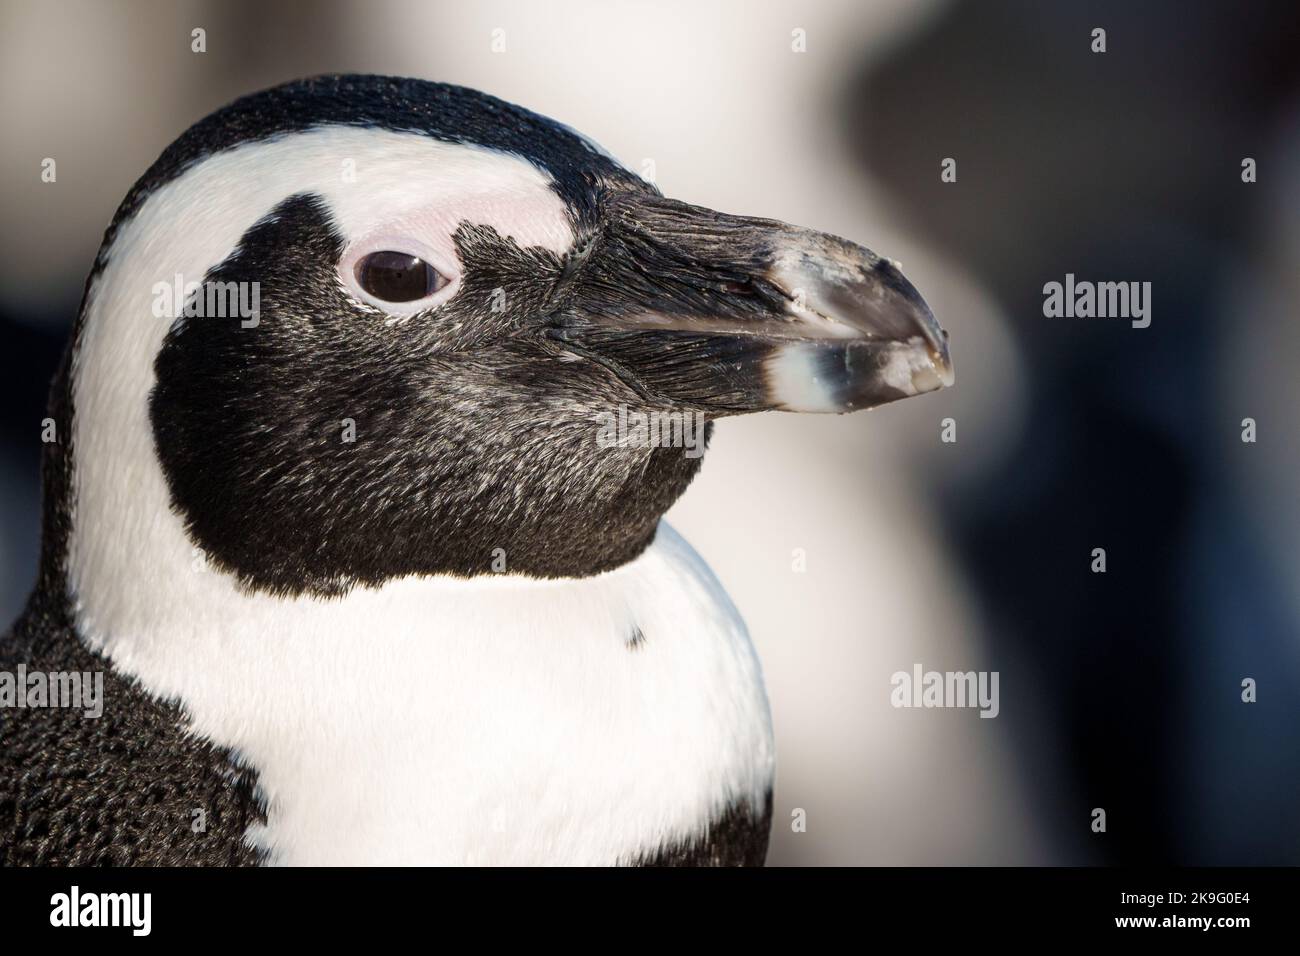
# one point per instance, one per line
(868, 335)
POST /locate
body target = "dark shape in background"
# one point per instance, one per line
(28, 360)
(1117, 166)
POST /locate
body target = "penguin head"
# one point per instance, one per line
(357, 328)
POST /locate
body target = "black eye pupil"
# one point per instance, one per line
(397, 276)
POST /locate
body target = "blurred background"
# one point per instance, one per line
(1119, 690)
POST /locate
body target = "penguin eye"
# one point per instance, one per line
(397, 276)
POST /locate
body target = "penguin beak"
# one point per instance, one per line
(730, 314)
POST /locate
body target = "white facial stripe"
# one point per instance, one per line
(529, 217)
(372, 179)
(123, 531)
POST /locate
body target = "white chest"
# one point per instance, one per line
(503, 721)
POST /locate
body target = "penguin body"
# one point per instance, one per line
(364, 585)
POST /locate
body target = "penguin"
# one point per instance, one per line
(363, 581)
